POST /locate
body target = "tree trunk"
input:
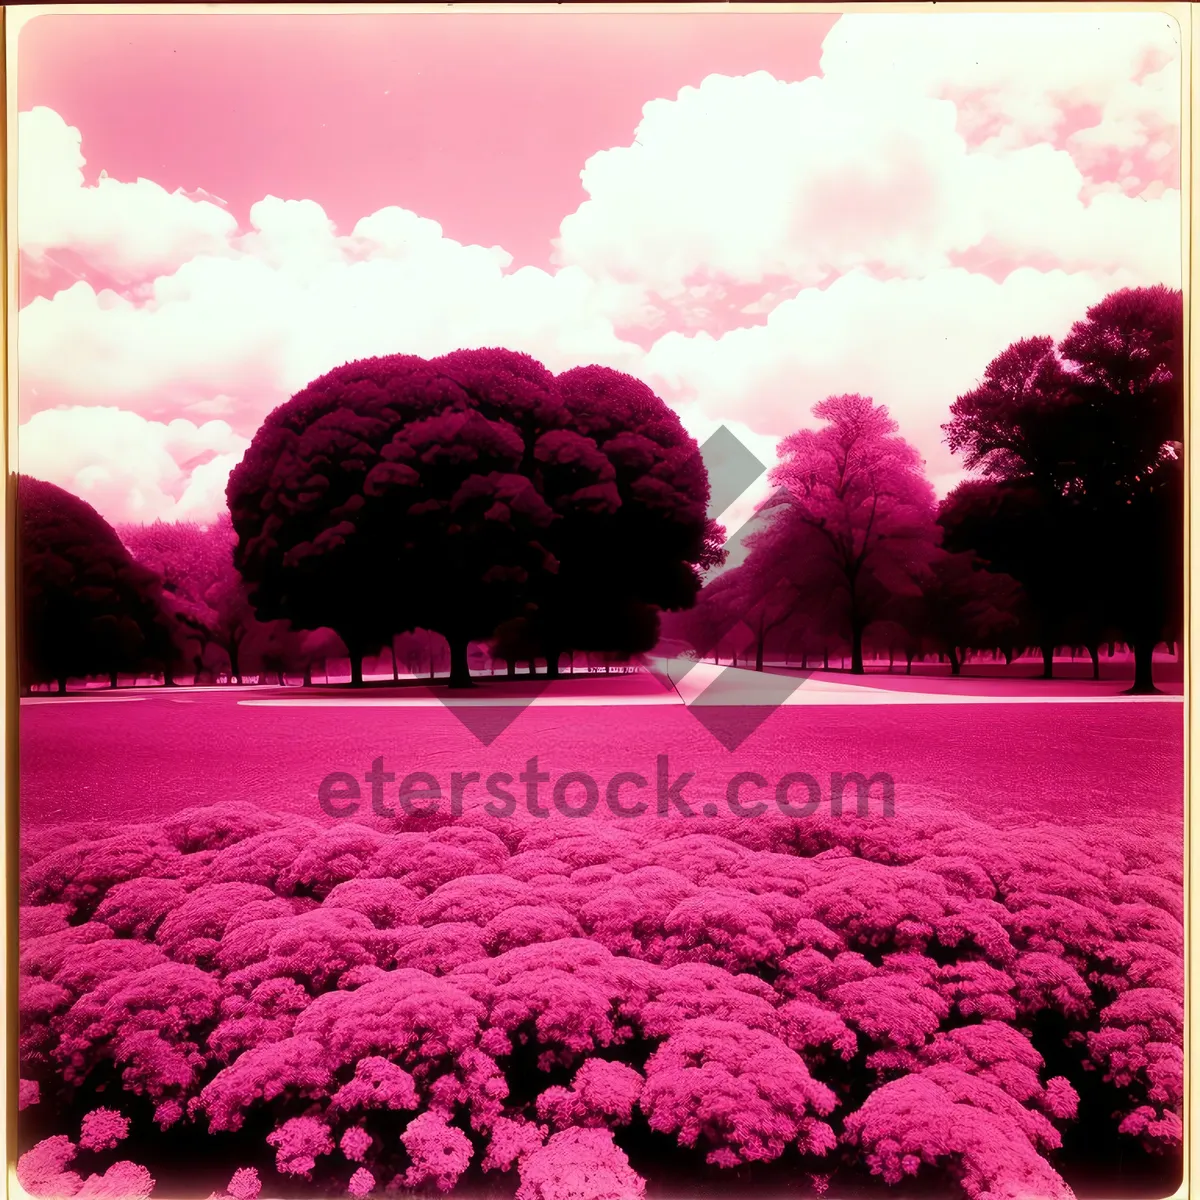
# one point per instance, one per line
(356, 662)
(552, 657)
(955, 663)
(1094, 652)
(827, 659)
(62, 685)
(460, 671)
(1047, 662)
(234, 666)
(908, 663)
(1143, 669)
(308, 680)
(112, 679)
(395, 665)
(856, 655)
(758, 651)
(168, 676)
(511, 672)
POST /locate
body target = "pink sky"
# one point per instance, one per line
(749, 211)
(480, 121)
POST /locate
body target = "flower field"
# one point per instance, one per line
(233, 1001)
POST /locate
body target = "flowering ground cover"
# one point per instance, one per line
(230, 997)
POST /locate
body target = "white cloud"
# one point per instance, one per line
(912, 344)
(130, 231)
(292, 300)
(1018, 79)
(950, 184)
(744, 178)
(927, 139)
(131, 469)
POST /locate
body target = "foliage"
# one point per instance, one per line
(859, 995)
(1081, 447)
(86, 608)
(455, 494)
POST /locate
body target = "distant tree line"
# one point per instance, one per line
(1070, 533)
(418, 508)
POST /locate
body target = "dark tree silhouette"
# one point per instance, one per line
(1017, 529)
(1127, 360)
(394, 494)
(631, 492)
(86, 608)
(1022, 420)
(470, 491)
(1082, 454)
(963, 607)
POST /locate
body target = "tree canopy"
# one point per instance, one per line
(853, 513)
(462, 492)
(1081, 452)
(86, 608)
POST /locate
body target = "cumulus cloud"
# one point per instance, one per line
(129, 468)
(1019, 79)
(912, 344)
(947, 185)
(129, 231)
(290, 301)
(909, 154)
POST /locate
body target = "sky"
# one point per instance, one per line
(749, 211)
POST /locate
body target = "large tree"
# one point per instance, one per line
(1126, 357)
(86, 607)
(854, 510)
(395, 494)
(1081, 453)
(631, 537)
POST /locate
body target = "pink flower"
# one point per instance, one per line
(741, 971)
(913, 1121)
(579, 1164)
(439, 1152)
(355, 1143)
(122, 1181)
(296, 1066)
(298, 1143)
(42, 1170)
(245, 1184)
(511, 1140)
(602, 1094)
(102, 1129)
(741, 1091)
(377, 1083)
(362, 1183)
